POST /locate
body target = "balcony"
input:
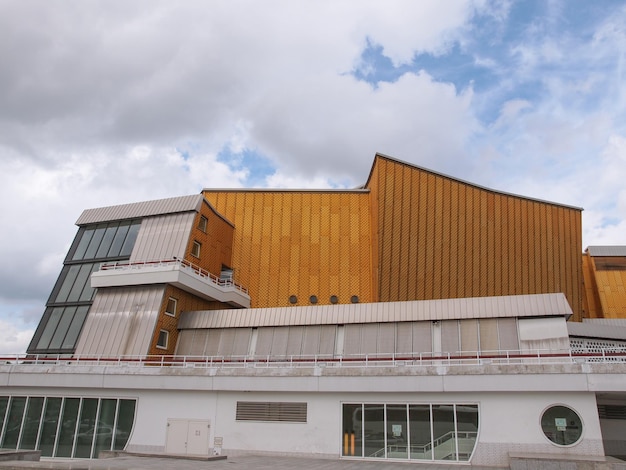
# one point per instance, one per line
(176, 272)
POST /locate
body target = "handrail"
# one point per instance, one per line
(458, 359)
(183, 264)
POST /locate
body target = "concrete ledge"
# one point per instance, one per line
(25, 455)
(564, 462)
(110, 454)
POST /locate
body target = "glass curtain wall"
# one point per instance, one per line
(65, 427)
(440, 432)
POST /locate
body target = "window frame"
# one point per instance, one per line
(202, 223)
(196, 249)
(175, 301)
(167, 339)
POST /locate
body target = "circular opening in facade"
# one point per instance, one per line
(334, 299)
(293, 299)
(354, 299)
(313, 299)
(561, 425)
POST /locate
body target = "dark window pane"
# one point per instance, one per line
(352, 444)
(4, 401)
(14, 422)
(81, 279)
(83, 244)
(75, 328)
(88, 291)
(106, 422)
(118, 241)
(68, 281)
(397, 432)
(561, 425)
(467, 429)
(50, 426)
(374, 430)
(86, 428)
(94, 244)
(67, 430)
(50, 328)
(125, 420)
(30, 428)
(444, 439)
(107, 240)
(64, 323)
(129, 243)
(419, 422)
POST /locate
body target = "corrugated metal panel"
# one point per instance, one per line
(617, 250)
(121, 321)
(383, 312)
(598, 330)
(141, 209)
(163, 237)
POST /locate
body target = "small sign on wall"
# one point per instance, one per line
(561, 424)
(217, 445)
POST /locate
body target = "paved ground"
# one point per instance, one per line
(231, 463)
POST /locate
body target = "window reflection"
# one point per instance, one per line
(66, 427)
(443, 432)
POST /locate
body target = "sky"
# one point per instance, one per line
(111, 102)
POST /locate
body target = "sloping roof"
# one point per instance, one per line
(382, 312)
(610, 329)
(141, 209)
(616, 250)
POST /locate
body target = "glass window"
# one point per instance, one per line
(50, 426)
(86, 428)
(163, 339)
(118, 241)
(131, 237)
(94, 244)
(202, 223)
(4, 401)
(106, 242)
(67, 428)
(14, 422)
(420, 432)
(66, 278)
(171, 307)
(50, 327)
(397, 432)
(352, 430)
(561, 425)
(30, 428)
(106, 424)
(87, 234)
(125, 420)
(59, 335)
(374, 430)
(466, 429)
(444, 438)
(75, 328)
(195, 249)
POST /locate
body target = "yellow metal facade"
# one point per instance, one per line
(443, 238)
(604, 294)
(410, 234)
(301, 244)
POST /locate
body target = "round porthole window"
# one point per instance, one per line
(293, 299)
(313, 299)
(561, 425)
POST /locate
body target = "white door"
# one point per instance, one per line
(198, 438)
(185, 436)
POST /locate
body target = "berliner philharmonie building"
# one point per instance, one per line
(416, 318)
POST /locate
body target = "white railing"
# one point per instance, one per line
(459, 359)
(175, 263)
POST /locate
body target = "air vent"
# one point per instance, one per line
(612, 412)
(276, 412)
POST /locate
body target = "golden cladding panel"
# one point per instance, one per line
(300, 243)
(443, 238)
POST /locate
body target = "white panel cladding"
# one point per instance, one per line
(542, 334)
(163, 237)
(141, 209)
(536, 305)
(507, 333)
(121, 322)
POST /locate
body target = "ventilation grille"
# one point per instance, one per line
(612, 412)
(277, 412)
